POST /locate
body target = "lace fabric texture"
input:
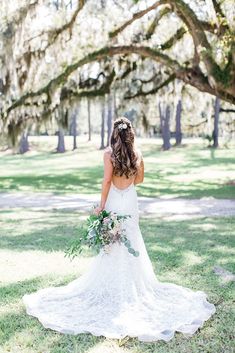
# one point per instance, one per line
(119, 295)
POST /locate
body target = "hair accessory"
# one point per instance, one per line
(122, 126)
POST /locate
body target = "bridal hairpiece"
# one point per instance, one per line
(122, 126)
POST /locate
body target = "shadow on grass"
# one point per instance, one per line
(54, 238)
(158, 185)
(83, 180)
(159, 176)
(35, 336)
(13, 292)
(194, 246)
(189, 249)
(14, 323)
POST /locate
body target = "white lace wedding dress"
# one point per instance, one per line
(119, 295)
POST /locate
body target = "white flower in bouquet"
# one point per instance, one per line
(102, 231)
(115, 229)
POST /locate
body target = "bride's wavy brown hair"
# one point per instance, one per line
(124, 156)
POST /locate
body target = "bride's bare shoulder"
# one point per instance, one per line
(107, 152)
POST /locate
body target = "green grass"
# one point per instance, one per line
(190, 171)
(32, 242)
(183, 252)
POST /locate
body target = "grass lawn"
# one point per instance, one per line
(183, 252)
(190, 171)
(32, 241)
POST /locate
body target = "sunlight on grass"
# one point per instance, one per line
(191, 258)
(18, 266)
(204, 226)
(191, 171)
(181, 252)
(109, 346)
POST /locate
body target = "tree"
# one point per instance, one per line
(62, 117)
(215, 134)
(60, 145)
(24, 143)
(102, 131)
(165, 126)
(178, 133)
(208, 63)
(109, 117)
(74, 128)
(114, 104)
(89, 118)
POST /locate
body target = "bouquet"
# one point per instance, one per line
(102, 230)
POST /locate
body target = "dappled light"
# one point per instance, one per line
(93, 92)
(188, 173)
(181, 252)
(186, 229)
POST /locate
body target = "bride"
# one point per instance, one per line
(119, 295)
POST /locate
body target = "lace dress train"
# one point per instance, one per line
(119, 295)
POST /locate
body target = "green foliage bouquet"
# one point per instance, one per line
(102, 230)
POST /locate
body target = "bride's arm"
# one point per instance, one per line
(140, 175)
(107, 178)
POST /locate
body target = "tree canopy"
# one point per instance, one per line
(55, 52)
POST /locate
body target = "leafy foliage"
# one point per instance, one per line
(102, 231)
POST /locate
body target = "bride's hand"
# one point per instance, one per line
(98, 209)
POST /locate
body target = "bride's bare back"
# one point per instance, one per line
(122, 182)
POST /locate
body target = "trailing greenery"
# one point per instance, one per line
(100, 232)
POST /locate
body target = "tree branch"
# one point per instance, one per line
(54, 33)
(175, 38)
(156, 20)
(69, 24)
(202, 46)
(188, 75)
(136, 16)
(191, 126)
(102, 90)
(222, 20)
(14, 127)
(222, 110)
(217, 8)
(154, 90)
(196, 28)
(97, 55)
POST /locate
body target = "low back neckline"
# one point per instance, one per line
(122, 190)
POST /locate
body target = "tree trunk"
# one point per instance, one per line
(102, 132)
(74, 128)
(114, 104)
(178, 133)
(165, 127)
(110, 118)
(161, 117)
(75, 131)
(215, 134)
(61, 145)
(89, 118)
(71, 127)
(24, 143)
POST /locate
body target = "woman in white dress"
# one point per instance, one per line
(119, 295)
